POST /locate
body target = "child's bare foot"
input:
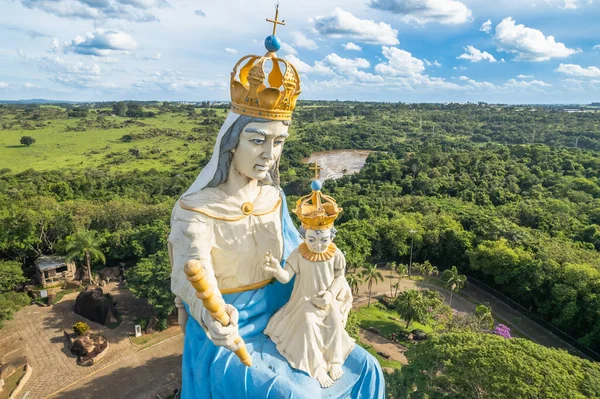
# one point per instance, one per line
(323, 378)
(336, 371)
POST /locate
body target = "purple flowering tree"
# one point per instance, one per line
(502, 331)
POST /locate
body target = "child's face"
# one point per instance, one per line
(317, 241)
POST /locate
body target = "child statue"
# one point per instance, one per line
(309, 330)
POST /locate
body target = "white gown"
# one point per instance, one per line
(308, 337)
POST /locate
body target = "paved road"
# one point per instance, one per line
(520, 323)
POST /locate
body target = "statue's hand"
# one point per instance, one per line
(271, 264)
(322, 300)
(222, 335)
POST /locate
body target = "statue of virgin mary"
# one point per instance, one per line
(227, 220)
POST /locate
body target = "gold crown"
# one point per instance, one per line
(316, 210)
(249, 92)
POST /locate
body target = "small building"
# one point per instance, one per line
(54, 269)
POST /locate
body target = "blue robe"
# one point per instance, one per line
(213, 372)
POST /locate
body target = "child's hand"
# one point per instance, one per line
(322, 300)
(270, 264)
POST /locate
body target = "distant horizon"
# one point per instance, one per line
(49, 101)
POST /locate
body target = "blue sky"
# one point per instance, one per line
(509, 51)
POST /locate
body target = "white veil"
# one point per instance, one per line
(208, 172)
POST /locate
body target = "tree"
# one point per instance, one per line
(11, 274)
(353, 280)
(120, 108)
(412, 306)
(369, 275)
(151, 279)
(484, 314)
(454, 280)
(401, 269)
(86, 244)
(27, 140)
(459, 365)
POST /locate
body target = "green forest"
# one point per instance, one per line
(510, 195)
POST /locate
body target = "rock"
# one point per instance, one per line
(388, 370)
(151, 327)
(82, 346)
(95, 306)
(72, 285)
(103, 283)
(51, 299)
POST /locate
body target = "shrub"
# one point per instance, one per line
(27, 140)
(80, 328)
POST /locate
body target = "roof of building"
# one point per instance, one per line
(49, 262)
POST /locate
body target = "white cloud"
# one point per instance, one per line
(133, 10)
(286, 48)
(343, 24)
(596, 47)
(530, 44)
(172, 80)
(525, 85)
(399, 63)
(299, 39)
(336, 61)
(524, 76)
(4, 85)
(349, 67)
(486, 26)
(29, 85)
(351, 47)
(567, 4)
(200, 12)
(577, 70)
(318, 68)
(434, 63)
(157, 56)
(100, 43)
(474, 55)
(424, 11)
(230, 50)
(460, 68)
(473, 84)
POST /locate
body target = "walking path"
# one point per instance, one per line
(54, 367)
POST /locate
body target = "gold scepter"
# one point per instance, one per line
(215, 305)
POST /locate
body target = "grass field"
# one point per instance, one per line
(75, 143)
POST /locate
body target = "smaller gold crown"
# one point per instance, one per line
(316, 210)
(249, 93)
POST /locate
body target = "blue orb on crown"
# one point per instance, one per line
(316, 185)
(272, 43)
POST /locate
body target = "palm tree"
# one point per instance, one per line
(484, 314)
(454, 280)
(353, 281)
(86, 244)
(412, 306)
(392, 269)
(401, 269)
(370, 274)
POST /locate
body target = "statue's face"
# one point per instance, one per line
(317, 241)
(259, 148)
